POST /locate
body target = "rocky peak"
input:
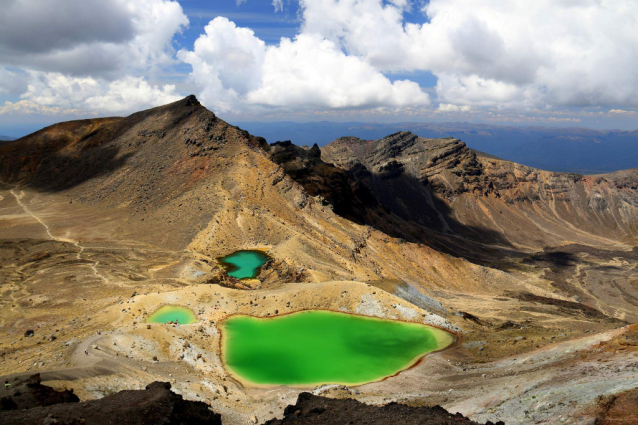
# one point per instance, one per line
(172, 113)
(330, 183)
(405, 152)
(391, 147)
(293, 156)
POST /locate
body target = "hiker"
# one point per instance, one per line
(86, 352)
(6, 384)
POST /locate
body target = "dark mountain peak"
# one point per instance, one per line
(68, 154)
(348, 152)
(178, 110)
(314, 151)
(286, 152)
(191, 100)
(283, 144)
(187, 101)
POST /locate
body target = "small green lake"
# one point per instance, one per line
(244, 264)
(323, 347)
(172, 313)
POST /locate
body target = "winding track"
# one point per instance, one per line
(29, 212)
(26, 209)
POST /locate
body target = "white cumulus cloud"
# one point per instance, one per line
(536, 55)
(542, 52)
(89, 37)
(234, 69)
(55, 93)
(86, 54)
(227, 63)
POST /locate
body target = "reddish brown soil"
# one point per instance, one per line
(618, 409)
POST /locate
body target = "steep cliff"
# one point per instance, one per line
(447, 187)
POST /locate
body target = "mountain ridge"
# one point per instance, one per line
(560, 149)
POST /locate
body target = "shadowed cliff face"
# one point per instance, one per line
(332, 184)
(387, 198)
(494, 212)
(445, 186)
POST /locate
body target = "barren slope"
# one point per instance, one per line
(482, 195)
(575, 231)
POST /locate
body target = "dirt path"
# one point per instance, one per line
(48, 231)
(29, 212)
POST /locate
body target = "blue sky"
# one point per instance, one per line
(260, 16)
(512, 62)
(270, 26)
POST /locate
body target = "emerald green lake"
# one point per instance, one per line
(244, 264)
(323, 347)
(173, 313)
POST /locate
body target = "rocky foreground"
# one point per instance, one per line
(312, 409)
(29, 402)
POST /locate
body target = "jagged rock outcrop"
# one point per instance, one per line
(156, 404)
(445, 186)
(315, 410)
(330, 183)
(28, 393)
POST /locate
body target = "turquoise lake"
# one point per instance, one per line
(244, 264)
(322, 347)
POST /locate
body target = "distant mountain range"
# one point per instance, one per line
(580, 150)
(6, 138)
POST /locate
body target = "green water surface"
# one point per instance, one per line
(321, 347)
(244, 264)
(169, 313)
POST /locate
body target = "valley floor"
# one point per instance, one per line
(69, 275)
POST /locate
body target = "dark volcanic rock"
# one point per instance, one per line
(29, 393)
(332, 184)
(157, 404)
(315, 410)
